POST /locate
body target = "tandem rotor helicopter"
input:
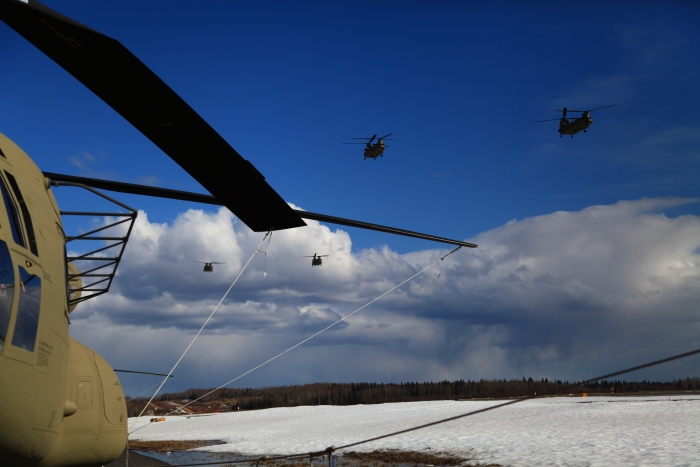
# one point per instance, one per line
(61, 403)
(208, 267)
(316, 260)
(567, 127)
(375, 150)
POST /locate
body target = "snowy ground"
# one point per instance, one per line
(563, 431)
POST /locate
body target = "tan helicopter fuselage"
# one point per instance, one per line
(61, 404)
(567, 127)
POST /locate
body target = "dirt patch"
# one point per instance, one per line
(169, 446)
(404, 457)
(383, 458)
(391, 458)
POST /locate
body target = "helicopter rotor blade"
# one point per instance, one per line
(550, 120)
(353, 143)
(605, 107)
(135, 92)
(372, 138)
(144, 190)
(386, 135)
(589, 110)
(142, 373)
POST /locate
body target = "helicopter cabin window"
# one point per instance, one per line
(12, 215)
(28, 309)
(25, 213)
(7, 289)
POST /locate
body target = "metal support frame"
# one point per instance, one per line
(105, 268)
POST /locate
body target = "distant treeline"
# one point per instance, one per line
(377, 393)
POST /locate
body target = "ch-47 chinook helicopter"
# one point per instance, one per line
(571, 127)
(375, 150)
(208, 267)
(316, 259)
(61, 403)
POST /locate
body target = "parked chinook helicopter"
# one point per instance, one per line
(316, 260)
(567, 127)
(61, 403)
(377, 149)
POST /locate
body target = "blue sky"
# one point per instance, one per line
(459, 84)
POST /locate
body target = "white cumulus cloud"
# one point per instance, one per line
(563, 295)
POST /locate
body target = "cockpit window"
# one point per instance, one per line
(12, 215)
(28, 309)
(7, 290)
(25, 213)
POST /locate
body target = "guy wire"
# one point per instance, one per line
(591, 380)
(137, 395)
(332, 449)
(319, 332)
(202, 328)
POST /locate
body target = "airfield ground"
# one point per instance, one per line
(596, 430)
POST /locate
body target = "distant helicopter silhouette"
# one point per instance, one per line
(208, 267)
(316, 259)
(567, 127)
(374, 150)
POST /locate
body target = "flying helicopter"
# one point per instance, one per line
(316, 260)
(377, 149)
(208, 267)
(61, 403)
(567, 127)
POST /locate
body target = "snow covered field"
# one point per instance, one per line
(562, 431)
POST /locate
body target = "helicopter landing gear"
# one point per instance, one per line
(572, 136)
(584, 131)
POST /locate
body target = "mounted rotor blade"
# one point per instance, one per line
(372, 139)
(380, 228)
(208, 199)
(134, 189)
(122, 81)
(550, 120)
(386, 135)
(143, 373)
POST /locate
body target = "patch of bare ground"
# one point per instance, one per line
(383, 458)
(387, 458)
(169, 446)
